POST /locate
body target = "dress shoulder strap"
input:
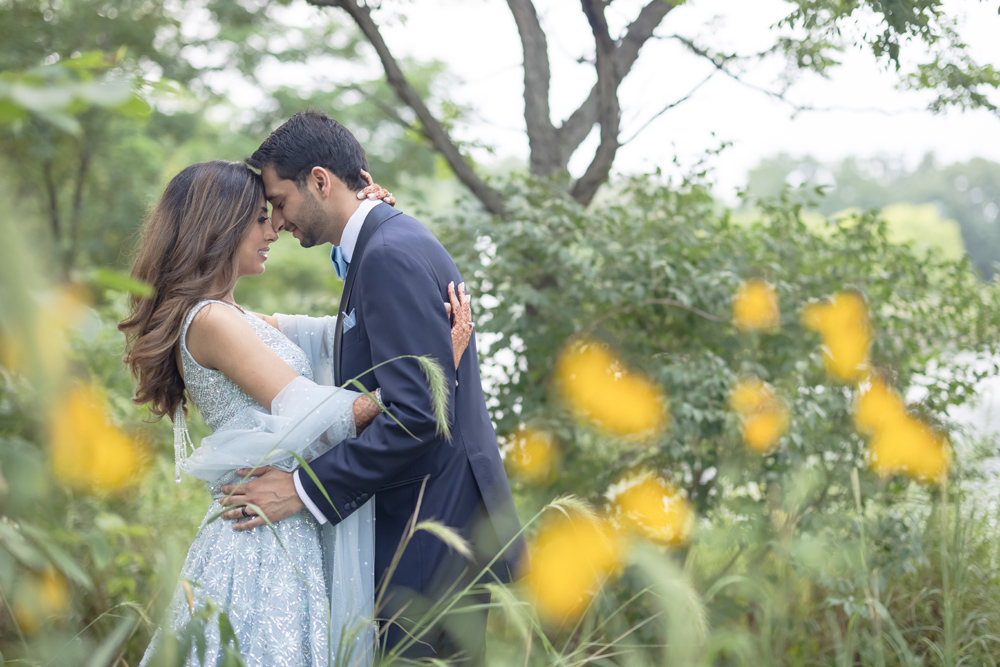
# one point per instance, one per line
(183, 445)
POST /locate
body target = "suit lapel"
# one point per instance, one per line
(373, 221)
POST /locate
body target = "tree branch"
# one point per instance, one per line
(387, 110)
(52, 194)
(608, 108)
(668, 108)
(542, 137)
(76, 210)
(433, 130)
(719, 61)
(576, 128)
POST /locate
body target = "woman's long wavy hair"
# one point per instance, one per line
(187, 252)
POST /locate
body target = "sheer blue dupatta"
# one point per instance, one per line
(350, 544)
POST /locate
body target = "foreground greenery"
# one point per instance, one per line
(800, 555)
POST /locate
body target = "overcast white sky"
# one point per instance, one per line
(478, 41)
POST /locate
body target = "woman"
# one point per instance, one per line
(210, 228)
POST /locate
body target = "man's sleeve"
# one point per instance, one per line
(306, 500)
(400, 293)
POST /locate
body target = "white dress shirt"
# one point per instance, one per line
(348, 241)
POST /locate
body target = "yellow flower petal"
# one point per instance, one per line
(87, 451)
(764, 415)
(751, 395)
(657, 511)
(570, 559)
(598, 387)
(763, 430)
(910, 447)
(845, 327)
(40, 596)
(877, 406)
(532, 455)
(755, 307)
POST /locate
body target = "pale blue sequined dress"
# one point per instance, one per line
(276, 598)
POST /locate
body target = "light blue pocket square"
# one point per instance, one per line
(349, 321)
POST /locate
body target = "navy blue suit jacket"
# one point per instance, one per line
(398, 299)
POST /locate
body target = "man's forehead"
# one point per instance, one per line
(274, 185)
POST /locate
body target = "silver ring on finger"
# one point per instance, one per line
(245, 513)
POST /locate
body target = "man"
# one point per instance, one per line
(396, 278)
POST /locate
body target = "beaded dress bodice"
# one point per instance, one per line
(220, 400)
(223, 404)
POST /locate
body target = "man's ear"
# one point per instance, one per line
(322, 179)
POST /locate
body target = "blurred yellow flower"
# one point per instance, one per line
(763, 430)
(844, 324)
(570, 559)
(755, 307)
(40, 596)
(597, 386)
(12, 352)
(876, 406)
(764, 415)
(910, 447)
(532, 455)
(88, 452)
(657, 511)
(898, 442)
(750, 395)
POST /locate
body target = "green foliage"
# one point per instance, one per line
(946, 68)
(790, 570)
(85, 178)
(653, 271)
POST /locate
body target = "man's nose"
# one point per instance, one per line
(277, 221)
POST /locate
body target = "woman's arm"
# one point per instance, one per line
(220, 339)
(270, 319)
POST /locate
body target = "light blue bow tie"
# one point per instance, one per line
(340, 264)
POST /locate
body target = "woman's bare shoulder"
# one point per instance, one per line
(214, 328)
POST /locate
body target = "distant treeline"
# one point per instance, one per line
(968, 192)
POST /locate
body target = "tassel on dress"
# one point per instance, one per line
(183, 446)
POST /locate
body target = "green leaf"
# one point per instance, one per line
(62, 560)
(106, 651)
(13, 541)
(123, 283)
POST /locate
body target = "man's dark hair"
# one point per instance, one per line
(312, 139)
